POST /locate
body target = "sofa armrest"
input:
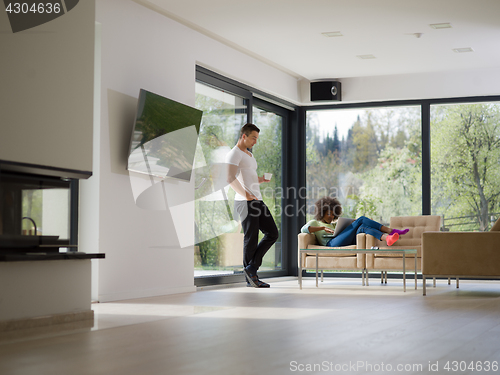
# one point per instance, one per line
(461, 253)
(304, 240)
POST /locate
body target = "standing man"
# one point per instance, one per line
(254, 214)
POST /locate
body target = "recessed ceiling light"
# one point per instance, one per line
(332, 34)
(445, 25)
(462, 50)
(366, 57)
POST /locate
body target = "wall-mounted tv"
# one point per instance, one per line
(163, 142)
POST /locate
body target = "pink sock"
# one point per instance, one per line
(391, 239)
(400, 232)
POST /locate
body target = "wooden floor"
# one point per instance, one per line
(340, 327)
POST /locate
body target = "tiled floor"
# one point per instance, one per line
(340, 327)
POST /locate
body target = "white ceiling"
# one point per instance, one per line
(288, 33)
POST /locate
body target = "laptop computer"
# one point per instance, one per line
(342, 223)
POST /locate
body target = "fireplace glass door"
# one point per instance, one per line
(32, 205)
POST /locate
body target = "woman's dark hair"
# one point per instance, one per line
(247, 129)
(327, 204)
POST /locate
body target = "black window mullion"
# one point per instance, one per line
(250, 110)
(426, 157)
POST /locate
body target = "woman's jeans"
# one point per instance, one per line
(360, 225)
(255, 216)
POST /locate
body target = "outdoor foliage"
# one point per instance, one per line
(465, 158)
(375, 170)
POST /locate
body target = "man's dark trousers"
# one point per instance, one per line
(255, 216)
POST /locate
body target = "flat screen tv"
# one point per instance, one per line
(163, 142)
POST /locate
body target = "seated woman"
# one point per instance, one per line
(328, 209)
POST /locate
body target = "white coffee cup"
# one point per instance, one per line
(267, 176)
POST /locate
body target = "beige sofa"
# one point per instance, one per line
(411, 240)
(330, 261)
(461, 254)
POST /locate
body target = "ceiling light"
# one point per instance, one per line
(366, 57)
(462, 50)
(332, 34)
(445, 25)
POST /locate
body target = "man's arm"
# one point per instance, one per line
(232, 171)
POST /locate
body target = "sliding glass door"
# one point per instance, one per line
(218, 233)
(268, 153)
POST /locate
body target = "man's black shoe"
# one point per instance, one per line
(263, 284)
(251, 278)
(260, 283)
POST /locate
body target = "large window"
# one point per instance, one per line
(370, 159)
(465, 165)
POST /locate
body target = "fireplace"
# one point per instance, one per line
(38, 251)
(39, 258)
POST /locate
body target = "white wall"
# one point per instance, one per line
(46, 91)
(41, 288)
(143, 49)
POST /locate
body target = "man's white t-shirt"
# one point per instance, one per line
(247, 172)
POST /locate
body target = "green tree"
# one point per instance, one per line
(377, 171)
(393, 187)
(465, 155)
(366, 145)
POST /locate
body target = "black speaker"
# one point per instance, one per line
(326, 90)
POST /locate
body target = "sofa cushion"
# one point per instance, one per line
(332, 262)
(416, 224)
